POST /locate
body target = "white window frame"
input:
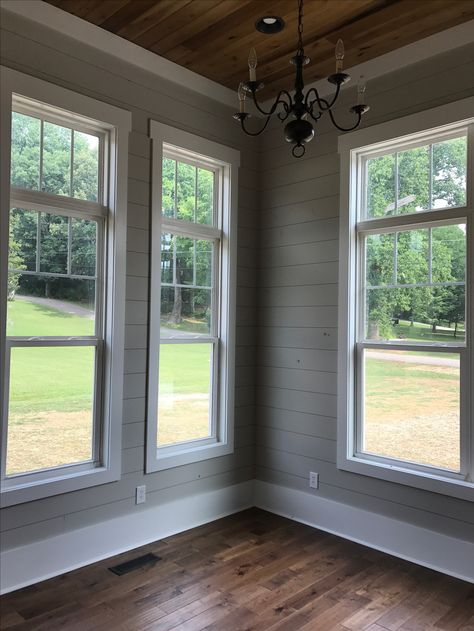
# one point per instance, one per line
(114, 124)
(353, 148)
(224, 161)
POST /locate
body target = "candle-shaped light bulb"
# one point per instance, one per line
(361, 88)
(252, 64)
(339, 52)
(242, 96)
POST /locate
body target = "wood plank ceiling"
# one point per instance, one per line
(213, 37)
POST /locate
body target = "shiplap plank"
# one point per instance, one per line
(304, 358)
(301, 254)
(292, 337)
(300, 380)
(297, 234)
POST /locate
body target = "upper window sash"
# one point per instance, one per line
(77, 125)
(398, 199)
(208, 229)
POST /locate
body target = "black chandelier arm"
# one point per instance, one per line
(314, 116)
(287, 106)
(359, 117)
(323, 104)
(254, 133)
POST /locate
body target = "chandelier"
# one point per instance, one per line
(301, 108)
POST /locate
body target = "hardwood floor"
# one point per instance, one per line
(252, 571)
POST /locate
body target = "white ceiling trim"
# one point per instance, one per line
(72, 26)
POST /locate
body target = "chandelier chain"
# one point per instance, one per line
(300, 28)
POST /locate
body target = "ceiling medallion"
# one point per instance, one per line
(301, 108)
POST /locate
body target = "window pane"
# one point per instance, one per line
(449, 253)
(45, 306)
(449, 173)
(25, 151)
(434, 314)
(86, 166)
(23, 236)
(83, 247)
(412, 402)
(412, 257)
(185, 312)
(56, 159)
(167, 248)
(54, 231)
(168, 191)
(205, 199)
(204, 254)
(184, 261)
(380, 253)
(186, 192)
(184, 402)
(413, 180)
(50, 416)
(381, 186)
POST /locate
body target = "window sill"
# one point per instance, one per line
(454, 487)
(163, 459)
(17, 493)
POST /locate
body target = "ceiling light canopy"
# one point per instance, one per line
(303, 109)
(270, 24)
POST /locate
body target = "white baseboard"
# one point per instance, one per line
(401, 539)
(43, 559)
(46, 558)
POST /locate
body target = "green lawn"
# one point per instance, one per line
(423, 332)
(50, 404)
(412, 412)
(27, 318)
(411, 409)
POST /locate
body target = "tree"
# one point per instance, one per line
(15, 262)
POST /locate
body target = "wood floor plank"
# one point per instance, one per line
(248, 572)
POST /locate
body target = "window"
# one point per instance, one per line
(190, 414)
(61, 331)
(406, 409)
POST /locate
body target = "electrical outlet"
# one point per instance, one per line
(313, 480)
(140, 494)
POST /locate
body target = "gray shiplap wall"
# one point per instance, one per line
(297, 306)
(48, 55)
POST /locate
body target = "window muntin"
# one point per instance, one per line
(189, 307)
(55, 326)
(416, 177)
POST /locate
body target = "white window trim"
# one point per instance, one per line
(350, 145)
(228, 161)
(118, 124)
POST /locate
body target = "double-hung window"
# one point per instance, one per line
(190, 413)
(62, 332)
(407, 262)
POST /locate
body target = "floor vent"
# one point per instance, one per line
(135, 564)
